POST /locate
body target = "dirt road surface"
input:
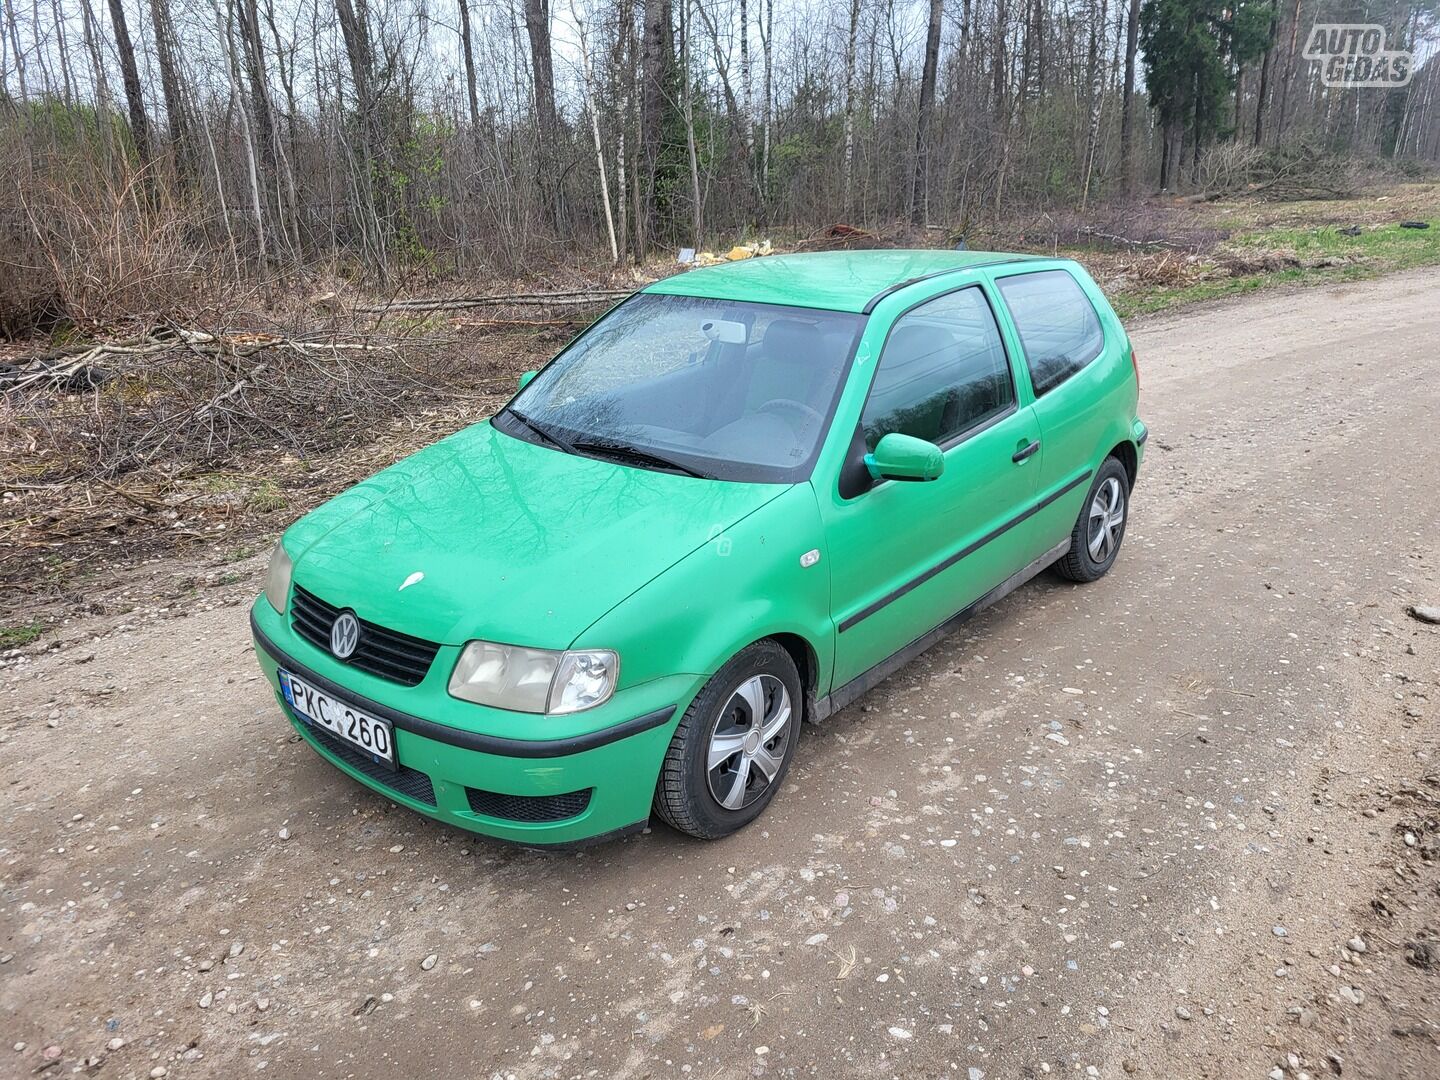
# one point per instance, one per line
(1180, 823)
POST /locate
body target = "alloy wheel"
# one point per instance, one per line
(1107, 519)
(747, 748)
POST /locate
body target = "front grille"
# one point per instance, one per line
(386, 653)
(529, 807)
(412, 783)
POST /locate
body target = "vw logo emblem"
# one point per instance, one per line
(344, 635)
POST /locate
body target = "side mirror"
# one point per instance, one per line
(904, 457)
(525, 378)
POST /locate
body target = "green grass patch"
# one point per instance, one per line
(1389, 245)
(12, 637)
(1326, 256)
(267, 497)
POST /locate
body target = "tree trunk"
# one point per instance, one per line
(768, 43)
(655, 60)
(10, 25)
(1265, 72)
(848, 172)
(1097, 85)
(697, 197)
(747, 84)
(622, 76)
(280, 180)
(542, 69)
(1289, 67)
(1127, 104)
(919, 183)
(356, 34)
(130, 76)
(176, 108)
(97, 72)
(588, 75)
(225, 24)
(468, 51)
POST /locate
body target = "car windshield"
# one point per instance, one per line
(717, 388)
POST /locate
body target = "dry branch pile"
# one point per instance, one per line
(200, 396)
(180, 429)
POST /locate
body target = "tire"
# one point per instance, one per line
(703, 801)
(1093, 546)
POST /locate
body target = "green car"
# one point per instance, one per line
(737, 501)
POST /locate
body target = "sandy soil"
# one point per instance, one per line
(1180, 823)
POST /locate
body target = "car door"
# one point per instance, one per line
(906, 556)
(1072, 373)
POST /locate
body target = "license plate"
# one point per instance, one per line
(368, 734)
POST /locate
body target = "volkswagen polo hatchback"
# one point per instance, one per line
(736, 502)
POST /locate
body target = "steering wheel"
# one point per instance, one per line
(798, 408)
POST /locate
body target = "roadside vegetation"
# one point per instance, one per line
(13, 637)
(209, 430)
(1298, 244)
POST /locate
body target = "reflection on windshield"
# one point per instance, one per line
(738, 391)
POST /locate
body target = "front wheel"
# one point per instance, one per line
(733, 746)
(1095, 540)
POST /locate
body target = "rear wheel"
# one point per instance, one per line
(733, 746)
(1095, 540)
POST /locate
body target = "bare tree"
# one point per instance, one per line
(172, 88)
(1096, 78)
(130, 77)
(467, 50)
(592, 106)
(692, 153)
(1127, 100)
(655, 54)
(849, 127)
(11, 24)
(537, 28)
(1263, 91)
(226, 24)
(919, 181)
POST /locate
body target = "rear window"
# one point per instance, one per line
(1058, 325)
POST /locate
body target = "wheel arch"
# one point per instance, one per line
(1129, 457)
(807, 663)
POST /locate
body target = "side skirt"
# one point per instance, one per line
(840, 697)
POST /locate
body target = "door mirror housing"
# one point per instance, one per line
(904, 457)
(525, 378)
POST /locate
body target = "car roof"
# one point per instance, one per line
(832, 280)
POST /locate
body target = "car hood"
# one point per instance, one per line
(483, 535)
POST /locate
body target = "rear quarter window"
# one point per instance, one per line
(1058, 327)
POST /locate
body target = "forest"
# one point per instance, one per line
(156, 145)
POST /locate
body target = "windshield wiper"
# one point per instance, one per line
(544, 432)
(606, 448)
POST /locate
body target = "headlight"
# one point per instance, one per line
(534, 680)
(277, 578)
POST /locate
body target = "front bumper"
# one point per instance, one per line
(583, 787)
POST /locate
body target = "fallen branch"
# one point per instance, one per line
(84, 371)
(1118, 239)
(568, 298)
(240, 384)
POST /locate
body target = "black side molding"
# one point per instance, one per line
(467, 740)
(841, 696)
(920, 579)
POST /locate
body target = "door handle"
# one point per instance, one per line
(1025, 452)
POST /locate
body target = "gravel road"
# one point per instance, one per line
(1181, 823)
